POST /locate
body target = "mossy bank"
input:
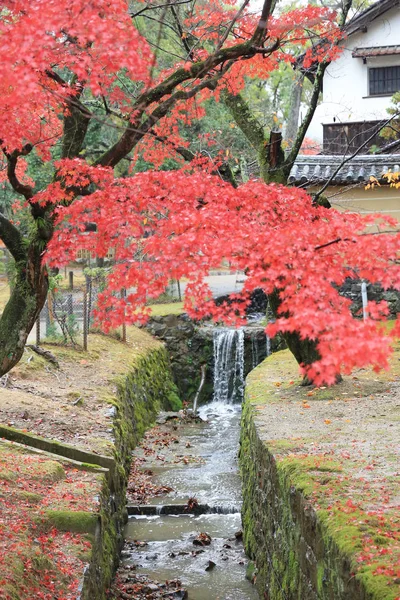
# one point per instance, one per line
(320, 482)
(86, 417)
(146, 388)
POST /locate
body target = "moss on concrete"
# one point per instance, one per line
(144, 389)
(68, 520)
(29, 497)
(50, 470)
(315, 520)
(54, 447)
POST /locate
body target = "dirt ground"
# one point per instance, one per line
(73, 403)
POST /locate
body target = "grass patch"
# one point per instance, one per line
(162, 310)
(4, 294)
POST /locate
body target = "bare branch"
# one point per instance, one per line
(154, 7)
(348, 159)
(232, 24)
(183, 39)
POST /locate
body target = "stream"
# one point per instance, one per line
(201, 463)
(211, 476)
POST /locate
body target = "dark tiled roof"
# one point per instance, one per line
(309, 170)
(376, 51)
(362, 20)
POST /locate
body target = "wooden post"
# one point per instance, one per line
(71, 280)
(38, 331)
(47, 313)
(85, 320)
(123, 295)
(179, 290)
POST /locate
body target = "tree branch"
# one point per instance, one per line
(12, 239)
(76, 122)
(224, 170)
(308, 118)
(245, 119)
(232, 24)
(154, 7)
(132, 137)
(261, 29)
(317, 86)
(183, 39)
(348, 159)
(12, 160)
(197, 70)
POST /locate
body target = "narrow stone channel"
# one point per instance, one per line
(201, 465)
(189, 531)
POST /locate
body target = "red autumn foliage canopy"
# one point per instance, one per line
(52, 50)
(166, 225)
(175, 224)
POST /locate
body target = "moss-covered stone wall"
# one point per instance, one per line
(146, 388)
(317, 522)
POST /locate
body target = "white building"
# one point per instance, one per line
(358, 86)
(357, 90)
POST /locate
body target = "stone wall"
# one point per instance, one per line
(146, 388)
(188, 348)
(352, 289)
(309, 498)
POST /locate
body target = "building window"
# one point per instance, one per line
(384, 80)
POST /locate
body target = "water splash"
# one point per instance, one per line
(228, 365)
(268, 344)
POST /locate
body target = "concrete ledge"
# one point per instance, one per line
(55, 447)
(180, 509)
(83, 466)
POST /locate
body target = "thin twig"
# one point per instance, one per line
(348, 159)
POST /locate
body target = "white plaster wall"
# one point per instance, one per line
(345, 93)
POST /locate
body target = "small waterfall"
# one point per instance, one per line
(254, 352)
(228, 365)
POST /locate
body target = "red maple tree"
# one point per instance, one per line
(68, 64)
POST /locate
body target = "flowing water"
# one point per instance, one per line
(228, 365)
(209, 473)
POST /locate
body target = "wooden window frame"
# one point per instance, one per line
(395, 78)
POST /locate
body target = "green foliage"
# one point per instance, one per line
(392, 130)
(52, 333)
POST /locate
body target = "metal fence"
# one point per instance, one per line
(68, 315)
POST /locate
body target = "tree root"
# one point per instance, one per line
(45, 353)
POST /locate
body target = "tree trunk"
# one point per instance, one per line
(304, 350)
(271, 158)
(292, 125)
(28, 296)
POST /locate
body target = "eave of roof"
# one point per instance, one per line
(315, 170)
(375, 51)
(359, 22)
